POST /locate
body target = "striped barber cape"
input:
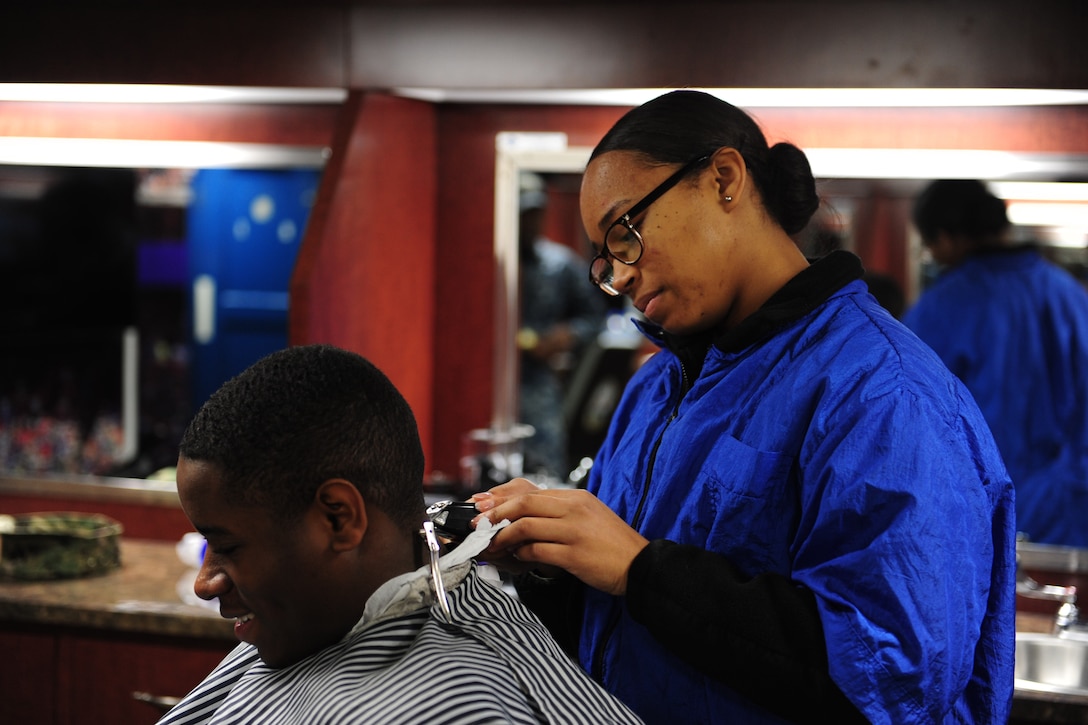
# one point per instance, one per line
(404, 663)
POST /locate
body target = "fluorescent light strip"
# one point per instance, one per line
(152, 93)
(1040, 190)
(770, 97)
(140, 154)
(827, 163)
(860, 163)
(1060, 237)
(745, 97)
(1068, 216)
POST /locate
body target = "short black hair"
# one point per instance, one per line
(679, 126)
(960, 207)
(303, 415)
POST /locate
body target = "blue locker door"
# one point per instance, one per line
(244, 229)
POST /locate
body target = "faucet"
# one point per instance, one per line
(1067, 620)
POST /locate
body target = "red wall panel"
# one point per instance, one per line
(364, 280)
(292, 125)
(1057, 129)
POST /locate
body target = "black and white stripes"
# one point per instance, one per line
(495, 664)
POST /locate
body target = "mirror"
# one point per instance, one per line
(128, 295)
(515, 154)
(853, 192)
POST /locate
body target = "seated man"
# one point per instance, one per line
(304, 473)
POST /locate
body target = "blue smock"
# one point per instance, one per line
(830, 447)
(1014, 328)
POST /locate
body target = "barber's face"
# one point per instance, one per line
(268, 578)
(684, 280)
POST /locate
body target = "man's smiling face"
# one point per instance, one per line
(266, 574)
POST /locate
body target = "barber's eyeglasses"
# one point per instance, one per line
(622, 242)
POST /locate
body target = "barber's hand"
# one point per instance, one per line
(503, 558)
(565, 528)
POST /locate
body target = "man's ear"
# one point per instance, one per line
(730, 174)
(343, 512)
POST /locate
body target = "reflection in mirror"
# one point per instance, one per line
(104, 354)
(1052, 215)
(68, 244)
(561, 317)
(563, 348)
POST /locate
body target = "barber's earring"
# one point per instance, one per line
(728, 199)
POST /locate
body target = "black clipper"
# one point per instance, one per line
(452, 519)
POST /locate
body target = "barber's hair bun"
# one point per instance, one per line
(790, 190)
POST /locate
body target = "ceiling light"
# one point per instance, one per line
(141, 154)
(769, 97)
(1040, 190)
(744, 97)
(1068, 216)
(887, 163)
(152, 93)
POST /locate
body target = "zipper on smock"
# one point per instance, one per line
(597, 670)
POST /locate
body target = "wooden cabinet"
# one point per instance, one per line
(28, 676)
(75, 651)
(57, 676)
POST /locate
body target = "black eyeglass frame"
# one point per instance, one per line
(604, 280)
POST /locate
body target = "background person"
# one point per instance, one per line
(1014, 328)
(304, 473)
(799, 514)
(560, 314)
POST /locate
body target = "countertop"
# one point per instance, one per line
(141, 596)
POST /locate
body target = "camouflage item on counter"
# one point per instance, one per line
(58, 545)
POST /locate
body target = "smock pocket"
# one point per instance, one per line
(739, 502)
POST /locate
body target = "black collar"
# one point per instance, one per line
(801, 295)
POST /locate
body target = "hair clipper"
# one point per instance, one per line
(452, 519)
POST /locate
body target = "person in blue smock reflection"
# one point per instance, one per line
(1014, 328)
(798, 514)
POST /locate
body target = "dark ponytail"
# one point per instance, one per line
(789, 191)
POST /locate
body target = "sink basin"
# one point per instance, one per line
(1051, 666)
